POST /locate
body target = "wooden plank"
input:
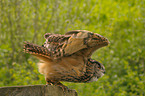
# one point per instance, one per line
(35, 90)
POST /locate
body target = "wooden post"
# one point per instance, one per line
(35, 90)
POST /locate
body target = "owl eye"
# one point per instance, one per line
(99, 67)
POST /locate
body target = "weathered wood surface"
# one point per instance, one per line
(36, 90)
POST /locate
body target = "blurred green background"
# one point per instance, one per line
(121, 21)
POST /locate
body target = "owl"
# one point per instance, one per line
(68, 57)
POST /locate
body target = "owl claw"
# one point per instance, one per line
(64, 87)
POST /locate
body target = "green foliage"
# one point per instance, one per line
(121, 21)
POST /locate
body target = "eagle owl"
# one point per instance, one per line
(68, 57)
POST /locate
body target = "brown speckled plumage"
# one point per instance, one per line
(68, 57)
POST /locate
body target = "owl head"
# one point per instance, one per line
(96, 40)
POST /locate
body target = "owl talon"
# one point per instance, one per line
(48, 84)
(64, 87)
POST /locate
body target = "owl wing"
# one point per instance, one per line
(65, 45)
(57, 46)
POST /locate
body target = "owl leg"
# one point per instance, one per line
(57, 83)
(61, 85)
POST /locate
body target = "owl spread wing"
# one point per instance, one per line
(57, 46)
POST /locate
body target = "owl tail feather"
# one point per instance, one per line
(36, 50)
